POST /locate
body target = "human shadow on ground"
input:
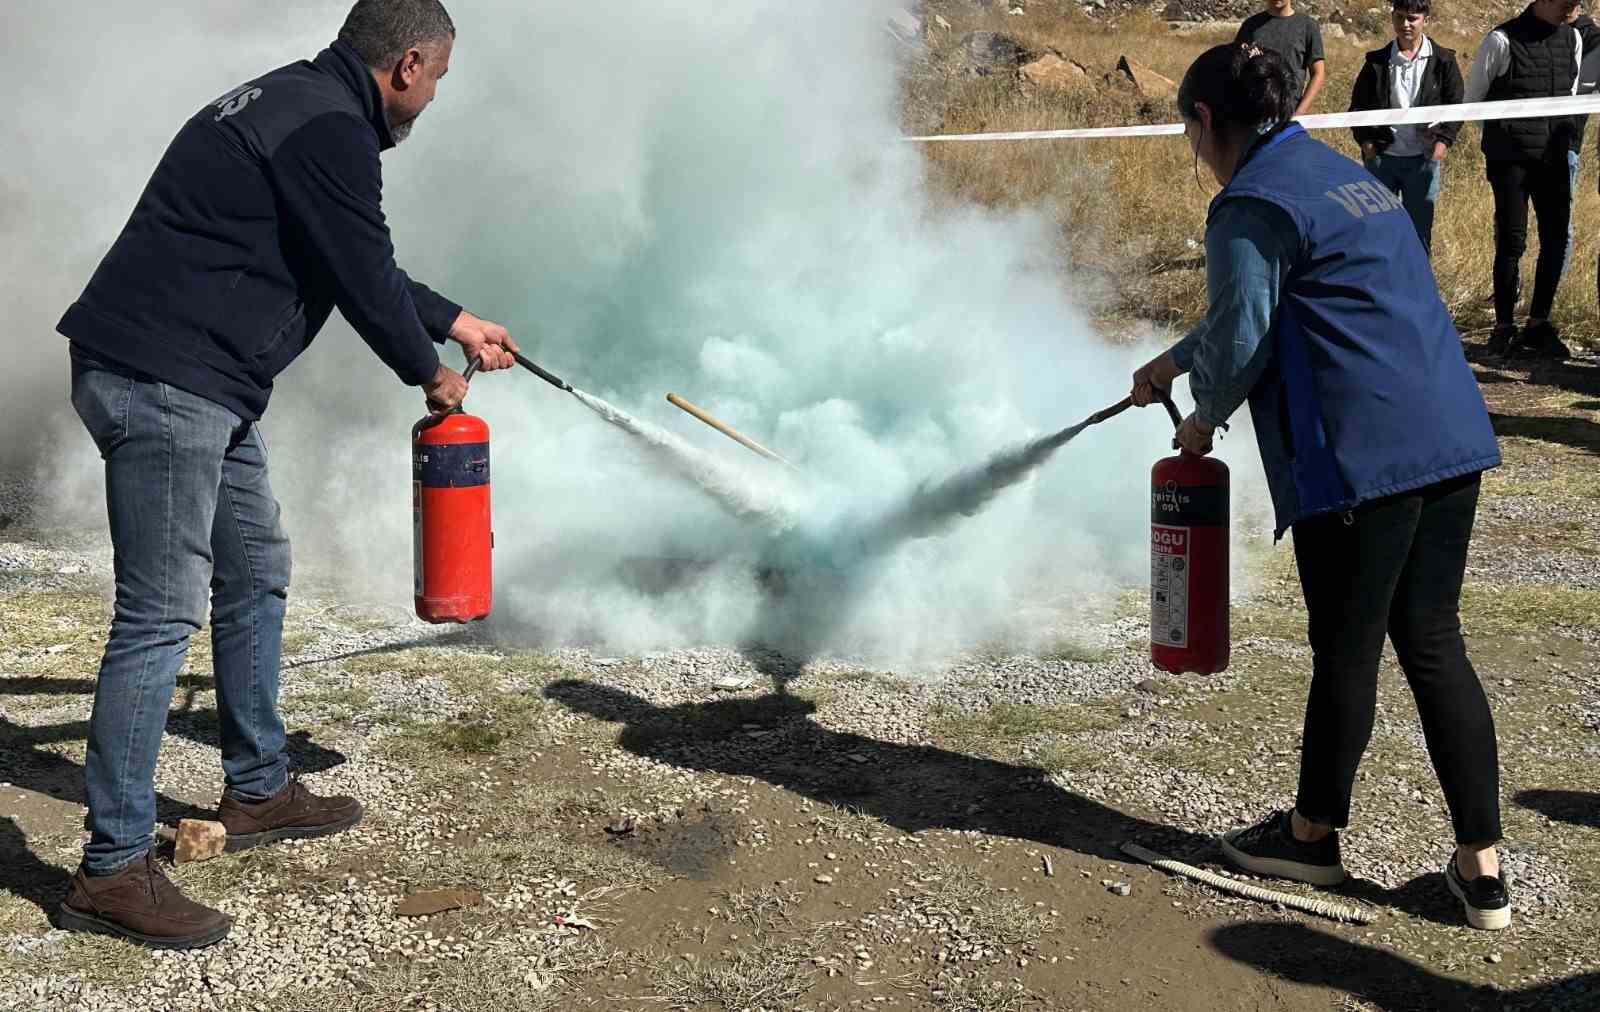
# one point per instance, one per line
(1304, 955)
(911, 787)
(1581, 808)
(32, 766)
(24, 875)
(1578, 433)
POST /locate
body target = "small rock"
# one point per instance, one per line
(905, 26)
(1146, 81)
(1493, 957)
(732, 683)
(990, 51)
(1148, 685)
(1121, 888)
(199, 840)
(623, 826)
(939, 20)
(823, 880)
(1051, 71)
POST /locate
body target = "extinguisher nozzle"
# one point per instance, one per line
(544, 374)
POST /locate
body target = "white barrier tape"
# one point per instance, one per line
(1529, 108)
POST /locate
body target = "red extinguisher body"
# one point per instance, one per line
(453, 541)
(1189, 564)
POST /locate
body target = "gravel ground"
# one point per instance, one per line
(315, 923)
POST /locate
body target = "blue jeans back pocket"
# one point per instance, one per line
(102, 400)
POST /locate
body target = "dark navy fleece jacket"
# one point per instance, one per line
(263, 215)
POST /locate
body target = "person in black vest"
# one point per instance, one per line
(1588, 80)
(1324, 314)
(1413, 70)
(264, 215)
(1534, 55)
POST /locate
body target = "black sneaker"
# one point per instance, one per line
(1500, 340)
(1540, 340)
(1484, 899)
(1269, 848)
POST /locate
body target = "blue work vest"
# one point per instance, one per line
(1368, 393)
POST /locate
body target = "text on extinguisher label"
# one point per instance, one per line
(1169, 585)
(1189, 505)
(450, 465)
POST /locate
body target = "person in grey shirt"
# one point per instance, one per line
(1297, 39)
(1411, 71)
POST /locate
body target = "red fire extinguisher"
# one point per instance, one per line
(452, 540)
(1188, 561)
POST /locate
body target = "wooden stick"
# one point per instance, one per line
(727, 430)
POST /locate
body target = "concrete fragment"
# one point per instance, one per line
(199, 840)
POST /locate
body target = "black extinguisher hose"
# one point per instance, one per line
(1172, 409)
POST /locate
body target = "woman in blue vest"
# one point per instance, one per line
(1324, 314)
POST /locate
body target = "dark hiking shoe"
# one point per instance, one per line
(1269, 848)
(139, 903)
(1501, 339)
(1484, 899)
(1540, 340)
(294, 813)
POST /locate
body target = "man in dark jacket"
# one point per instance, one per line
(1410, 72)
(262, 217)
(1534, 55)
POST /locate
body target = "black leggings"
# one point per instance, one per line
(1395, 566)
(1549, 186)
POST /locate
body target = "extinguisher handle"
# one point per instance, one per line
(472, 367)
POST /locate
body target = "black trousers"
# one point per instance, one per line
(1395, 566)
(1549, 187)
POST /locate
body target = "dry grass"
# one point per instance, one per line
(761, 976)
(1128, 209)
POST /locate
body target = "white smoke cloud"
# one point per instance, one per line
(654, 196)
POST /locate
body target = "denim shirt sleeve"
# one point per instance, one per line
(1250, 247)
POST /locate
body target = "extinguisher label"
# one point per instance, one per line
(1169, 585)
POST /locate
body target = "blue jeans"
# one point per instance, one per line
(190, 509)
(1415, 180)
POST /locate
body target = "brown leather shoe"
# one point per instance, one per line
(294, 813)
(140, 904)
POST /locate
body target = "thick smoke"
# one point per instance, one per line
(654, 196)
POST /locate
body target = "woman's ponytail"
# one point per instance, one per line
(1240, 83)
